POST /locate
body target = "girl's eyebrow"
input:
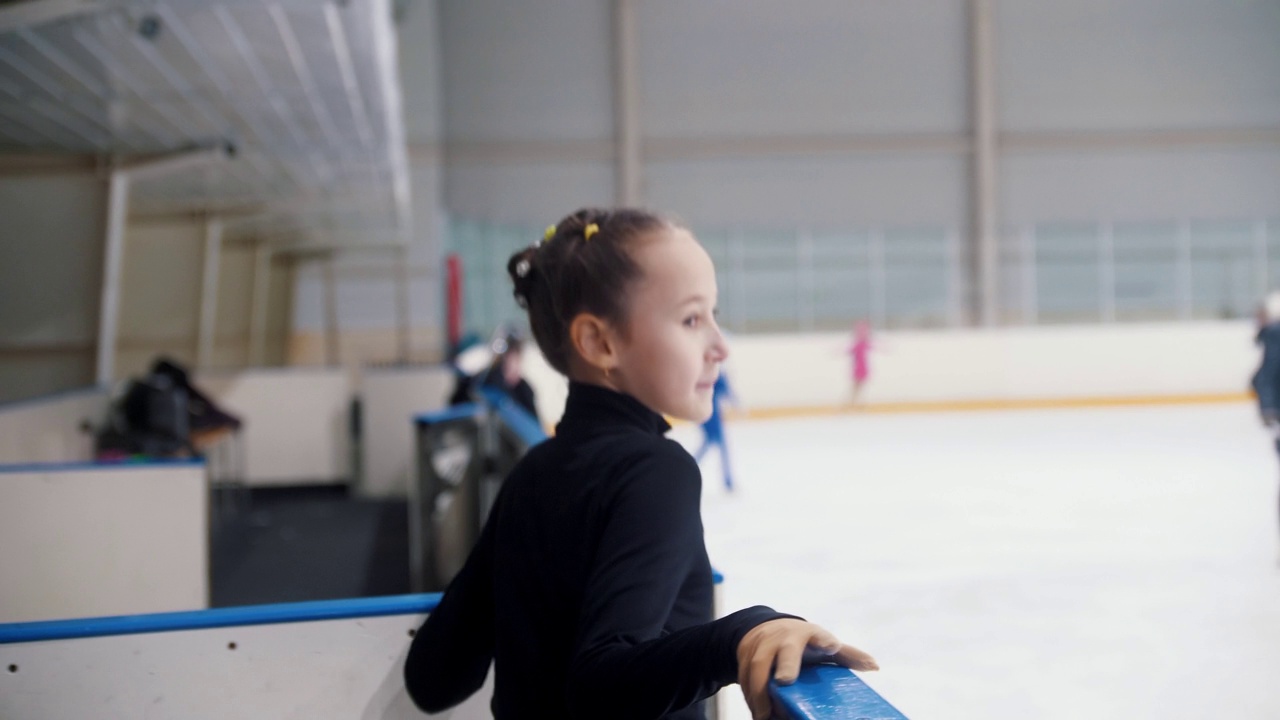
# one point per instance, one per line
(694, 298)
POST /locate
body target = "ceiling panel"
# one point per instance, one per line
(307, 93)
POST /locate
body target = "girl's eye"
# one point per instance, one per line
(691, 321)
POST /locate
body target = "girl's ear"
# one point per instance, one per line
(593, 339)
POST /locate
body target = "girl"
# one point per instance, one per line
(1266, 380)
(590, 587)
(860, 349)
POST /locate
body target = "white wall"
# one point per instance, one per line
(296, 422)
(102, 540)
(326, 670)
(48, 429)
(1095, 362)
(390, 398)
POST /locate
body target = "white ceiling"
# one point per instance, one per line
(306, 92)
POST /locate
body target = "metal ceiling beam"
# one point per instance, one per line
(346, 68)
(108, 59)
(384, 34)
(28, 13)
(156, 166)
(98, 134)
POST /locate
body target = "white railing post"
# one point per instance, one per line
(1184, 270)
(875, 258)
(1030, 286)
(1107, 272)
(804, 280)
(1262, 274)
(739, 263)
(955, 280)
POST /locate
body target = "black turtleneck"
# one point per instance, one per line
(590, 586)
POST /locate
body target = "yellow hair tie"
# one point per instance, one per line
(590, 230)
(550, 233)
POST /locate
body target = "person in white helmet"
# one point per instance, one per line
(1266, 381)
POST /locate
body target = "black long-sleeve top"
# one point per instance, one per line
(590, 587)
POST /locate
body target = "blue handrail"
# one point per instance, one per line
(94, 465)
(829, 692)
(453, 412)
(219, 617)
(517, 418)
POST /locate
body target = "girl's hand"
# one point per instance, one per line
(779, 647)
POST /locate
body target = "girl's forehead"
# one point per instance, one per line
(673, 261)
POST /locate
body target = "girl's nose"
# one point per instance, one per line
(719, 346)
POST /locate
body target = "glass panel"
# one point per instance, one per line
(917, 277)
(1146, 271)
(841, 281)
(1223, 273)
(1067, 273)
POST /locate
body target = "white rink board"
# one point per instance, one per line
(47, 429)
(957, 365)
(295, 422)
(391, 398)
(325, 670)
(91, 540)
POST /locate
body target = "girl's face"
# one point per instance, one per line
(670, 347)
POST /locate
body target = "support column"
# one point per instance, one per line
(402, 304)
(626, 105)
(209, 292)
(109, 308)
(985, 212)
(331, 340)
(262, 255)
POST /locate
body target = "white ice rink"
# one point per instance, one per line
(1049, 564)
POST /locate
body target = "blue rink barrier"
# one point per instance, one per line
(822, 692)
(311, 611)
(828, 692)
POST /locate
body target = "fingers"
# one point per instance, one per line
(854, 659)
(780, 648)
(758, 686)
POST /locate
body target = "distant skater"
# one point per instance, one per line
(860, 351)
(713, 428)
(1266, 381)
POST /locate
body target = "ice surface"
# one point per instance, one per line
(1109, 563)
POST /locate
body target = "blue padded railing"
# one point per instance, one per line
(452, 412)
(822, 692)
(516, 418)
(218, 618)
(127, 464)
(828, 692)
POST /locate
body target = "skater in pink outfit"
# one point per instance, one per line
(860, 350)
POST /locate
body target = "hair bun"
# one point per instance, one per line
(521, 270)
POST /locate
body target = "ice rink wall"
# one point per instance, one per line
(968, 368)
(334, 659)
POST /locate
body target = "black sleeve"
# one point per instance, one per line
(622, 660)
(450, 654)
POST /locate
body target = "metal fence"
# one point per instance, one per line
(917, 277)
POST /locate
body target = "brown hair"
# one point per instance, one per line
(568, 273)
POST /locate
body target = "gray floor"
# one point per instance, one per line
(311, 543)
